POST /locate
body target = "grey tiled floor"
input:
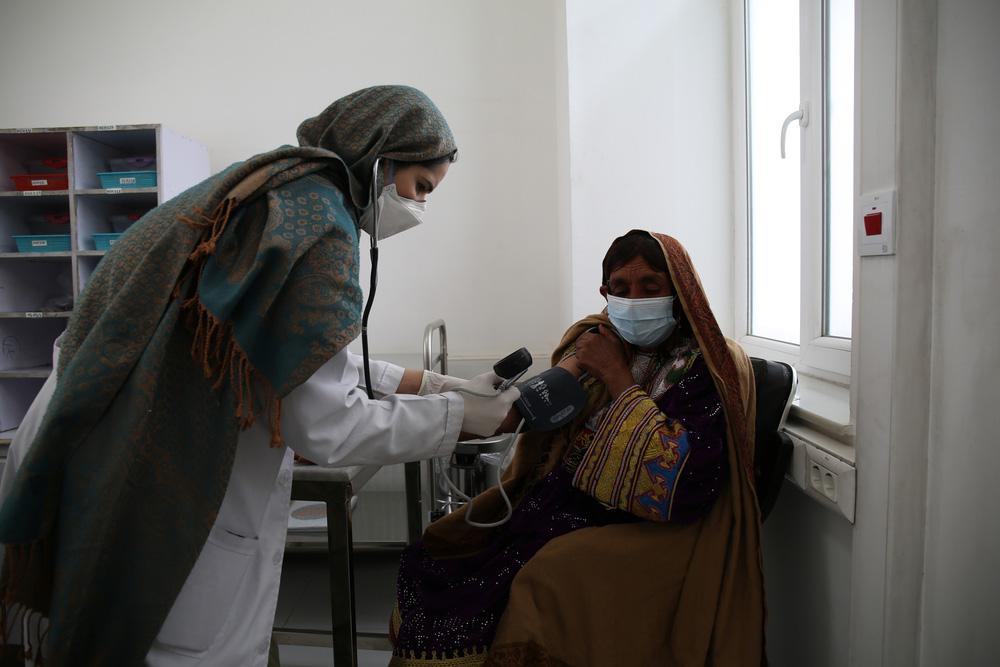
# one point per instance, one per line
(308, 656)
(304, 602)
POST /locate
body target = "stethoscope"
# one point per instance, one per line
(373, 282)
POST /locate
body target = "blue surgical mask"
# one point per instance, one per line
(643, 322)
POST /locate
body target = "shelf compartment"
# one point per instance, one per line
(94, 215)
(30, 216)
(16, 395)
(18, 151)
(35, 286)
(92, 152)
(26, 344)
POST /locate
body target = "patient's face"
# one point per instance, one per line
(636, 279)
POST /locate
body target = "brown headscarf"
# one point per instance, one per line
(643, 593)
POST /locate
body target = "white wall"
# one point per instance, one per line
(961, 583)
(239, 75)
(807, 577)
(650, 146)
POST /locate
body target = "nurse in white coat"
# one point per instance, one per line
(223, 613)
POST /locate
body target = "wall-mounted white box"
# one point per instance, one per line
(828, 479)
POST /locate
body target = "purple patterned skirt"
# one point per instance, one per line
(453, 605)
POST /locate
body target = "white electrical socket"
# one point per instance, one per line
(828, 479)
(823, 481)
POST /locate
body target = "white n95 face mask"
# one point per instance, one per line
(395, 214)
(643, 322)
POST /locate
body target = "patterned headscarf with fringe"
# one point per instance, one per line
(204, 315)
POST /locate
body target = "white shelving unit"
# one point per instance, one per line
(36, 288)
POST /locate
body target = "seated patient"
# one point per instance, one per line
(635, 533)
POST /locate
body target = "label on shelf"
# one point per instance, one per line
(34, 315)
(32, 193)
(113, 191)
(107, 127)
(23, 130)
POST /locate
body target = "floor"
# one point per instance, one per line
(308, 656)
(304, 602)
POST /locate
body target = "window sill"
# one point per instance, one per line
(825, 408)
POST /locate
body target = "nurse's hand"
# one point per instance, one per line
(602, 354)
(485, 408)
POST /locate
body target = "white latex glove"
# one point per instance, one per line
(435, 383)
(485, 408)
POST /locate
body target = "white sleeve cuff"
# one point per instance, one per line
(453, 424)
(386, 377)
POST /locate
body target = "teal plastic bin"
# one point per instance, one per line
(105, 241)
(43, 243)
(127, 179)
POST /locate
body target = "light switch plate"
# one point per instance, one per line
(873, 203)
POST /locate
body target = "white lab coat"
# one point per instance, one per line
(224, 613)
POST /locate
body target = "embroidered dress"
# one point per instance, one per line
(660, 445)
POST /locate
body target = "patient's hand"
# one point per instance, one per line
(602, 355)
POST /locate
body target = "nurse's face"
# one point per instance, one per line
(416, 181)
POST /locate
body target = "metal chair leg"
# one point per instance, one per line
(414, 501)
(345, 647)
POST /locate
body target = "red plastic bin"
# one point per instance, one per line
(40, 181)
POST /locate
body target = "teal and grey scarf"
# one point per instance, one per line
(204, 315)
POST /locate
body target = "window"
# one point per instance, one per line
(795, 250)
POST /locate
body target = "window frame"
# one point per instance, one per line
(818, 355)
